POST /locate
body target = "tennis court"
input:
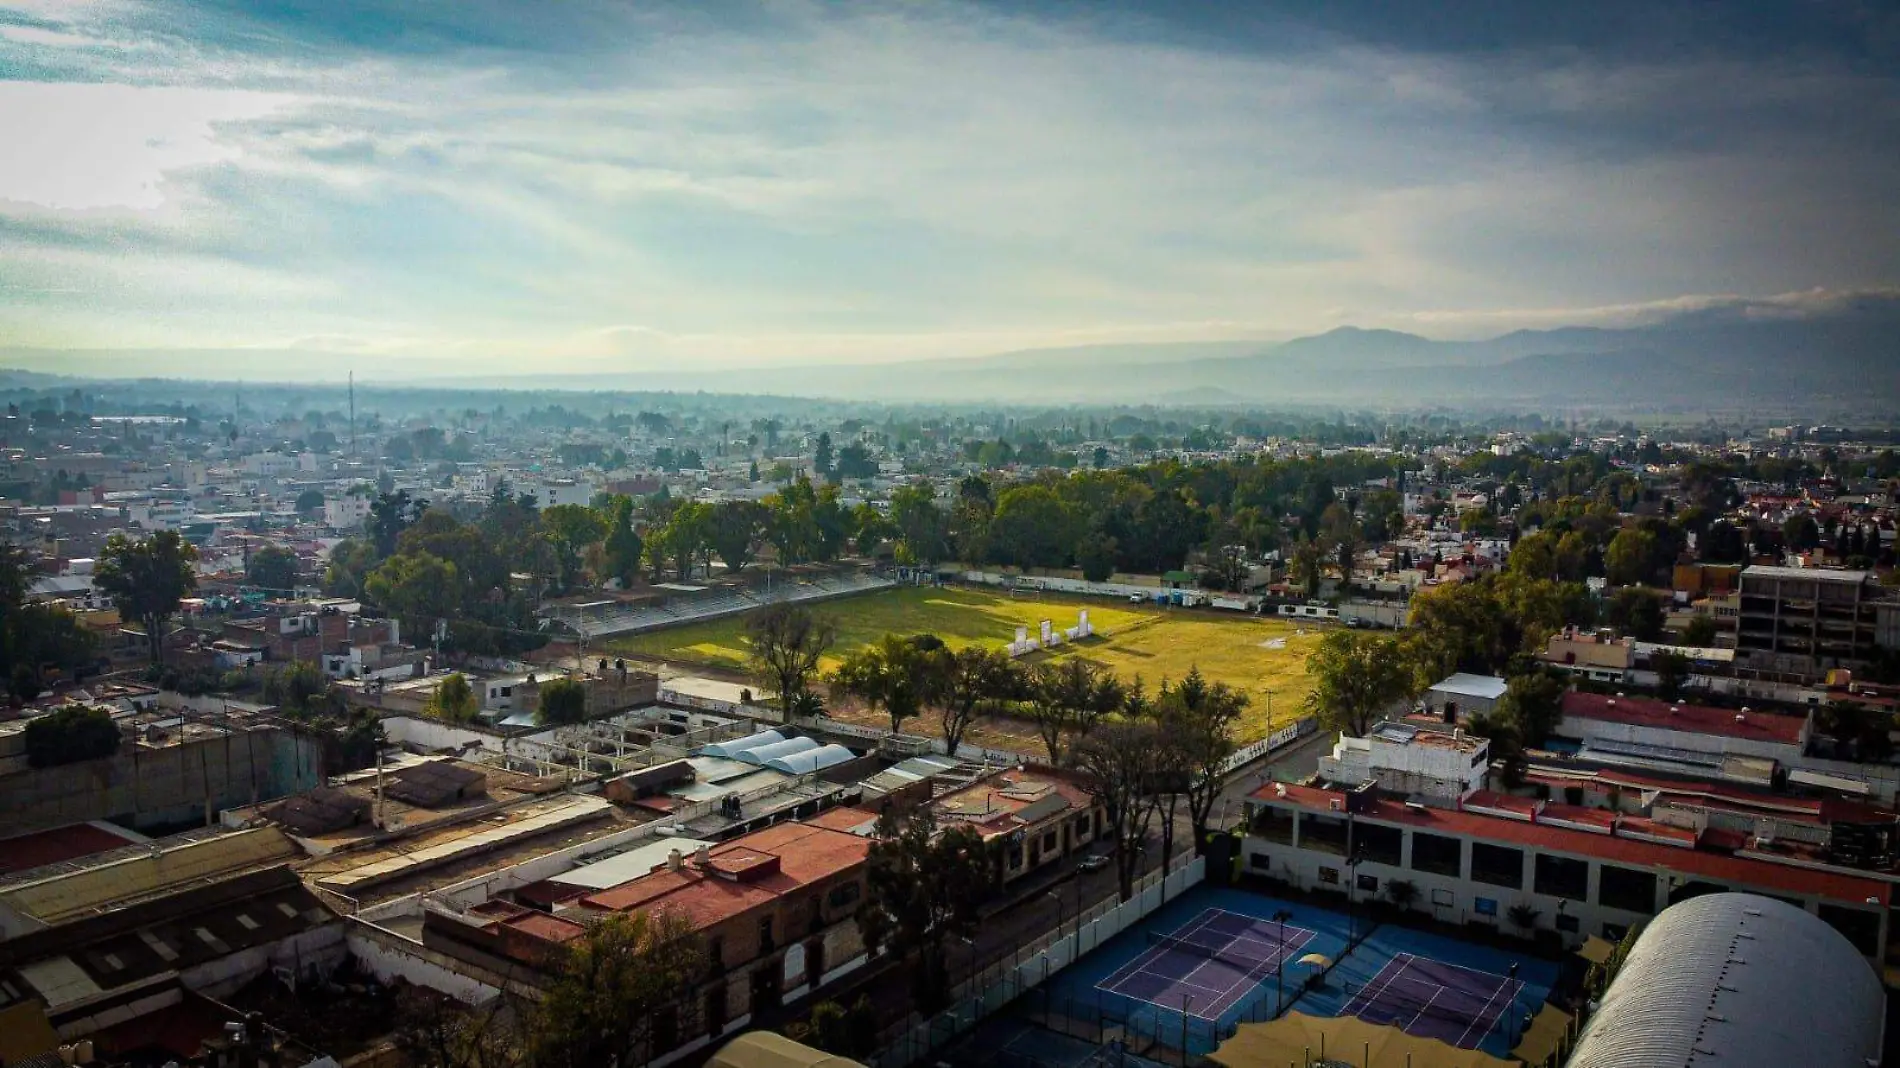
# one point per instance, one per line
(1210, 964)
(1217, 957)
(1429, 998)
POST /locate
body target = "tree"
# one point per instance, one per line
(735, 532)
(623, 547)
(1356, 678)
(613, 985)
(1198, 719)
(35, 636)
(1699, 632)
(1532, 704)
(1867, 732)
(1307, 566)
(389, 515)
(922, 887)
(895, 674)
(1800, 532)
(1672, 670)
(563, 702)
(1067, 698)
(1630, 556)
(1636, 611)
(148, 579)
(1507, 746)
(922, 527)
(272, 568)
(351, 561)
(418, 588)
(454, 700)
(572, 528)
(1120, 762)
(972, 679)
(310, 501)
(821, 456)
(1401, 892)
(1095, 555)
(1033, 527)
(784, 644)
(69, 735)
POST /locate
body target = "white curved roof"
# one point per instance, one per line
(1737, 981)
(732, 747)
(811, 760)
(778, 749)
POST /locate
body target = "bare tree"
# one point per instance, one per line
(1068, 698)
(787, 642)
(972, 680)
(1120, 761)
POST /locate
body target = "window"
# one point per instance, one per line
(1626, 889)
(1016, 850)
(1084, 825)
(766, 943)
(1049, 842)
(244, 920)
(843, 895)
(1324, 833)
(1567, 922)
(1436, 854)
(1329, 876)
(1561, 876)
(1497, 865)
(1380, 845)
(716, 1009)
(1274, 824)
(715, 955)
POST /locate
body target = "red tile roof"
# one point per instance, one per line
(746, 872)
(1740, 871)
(1689, 719)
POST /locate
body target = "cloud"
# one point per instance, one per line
(795, 182)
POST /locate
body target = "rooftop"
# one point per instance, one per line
(1816, 574)
(741, 874)
(1012, 799)
(1646, 850)
(1689, 719)
(1464, 684)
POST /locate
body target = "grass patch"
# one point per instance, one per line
(1132, 639)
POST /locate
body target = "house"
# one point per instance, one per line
(1034, 816)
(1463, 695)
(1599, 656)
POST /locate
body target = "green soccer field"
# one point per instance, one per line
(1265, 658)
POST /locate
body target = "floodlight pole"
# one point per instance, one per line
(1186, 1000)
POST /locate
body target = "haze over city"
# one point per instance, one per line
(596, 188)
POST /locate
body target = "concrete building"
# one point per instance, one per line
(777, 909)
(1574, 870)
(1599, 656)
(1036, 815)
(348, 512)
(1434, 767)
(1464, 695)
(1800, 622)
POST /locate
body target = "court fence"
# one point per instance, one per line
(980, 995)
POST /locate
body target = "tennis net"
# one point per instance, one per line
(1253, 955)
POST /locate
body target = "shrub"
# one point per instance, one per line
(72, 734)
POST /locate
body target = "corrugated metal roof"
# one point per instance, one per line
(810, 760)
(732, 747)
(1737, 980)
(778, 749)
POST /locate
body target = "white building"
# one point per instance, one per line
(1402, 759)
(347, 512)
(270, 464)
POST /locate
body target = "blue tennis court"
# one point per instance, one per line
(1210, 964)
(1217, 957)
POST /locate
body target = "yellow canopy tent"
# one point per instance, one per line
(1596, 950)
(1544, 1037)
(768, 1049)
(1298, 1039)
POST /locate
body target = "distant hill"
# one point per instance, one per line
(1846, 355)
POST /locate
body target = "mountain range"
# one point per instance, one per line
(1843, 356)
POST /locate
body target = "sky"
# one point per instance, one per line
(427, 189)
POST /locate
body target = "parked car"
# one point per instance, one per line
(1093, 862)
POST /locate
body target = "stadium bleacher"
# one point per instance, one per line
(633, 619)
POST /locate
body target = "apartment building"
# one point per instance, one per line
(1401, 759)
(776, 909)
(1522, 864)
(1797, 623)
(1597, 655)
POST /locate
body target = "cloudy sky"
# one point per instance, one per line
(431, 186)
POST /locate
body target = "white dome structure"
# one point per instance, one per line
(1737, 981)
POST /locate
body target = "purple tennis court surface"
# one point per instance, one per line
(1223, 957)
(1433, 999)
